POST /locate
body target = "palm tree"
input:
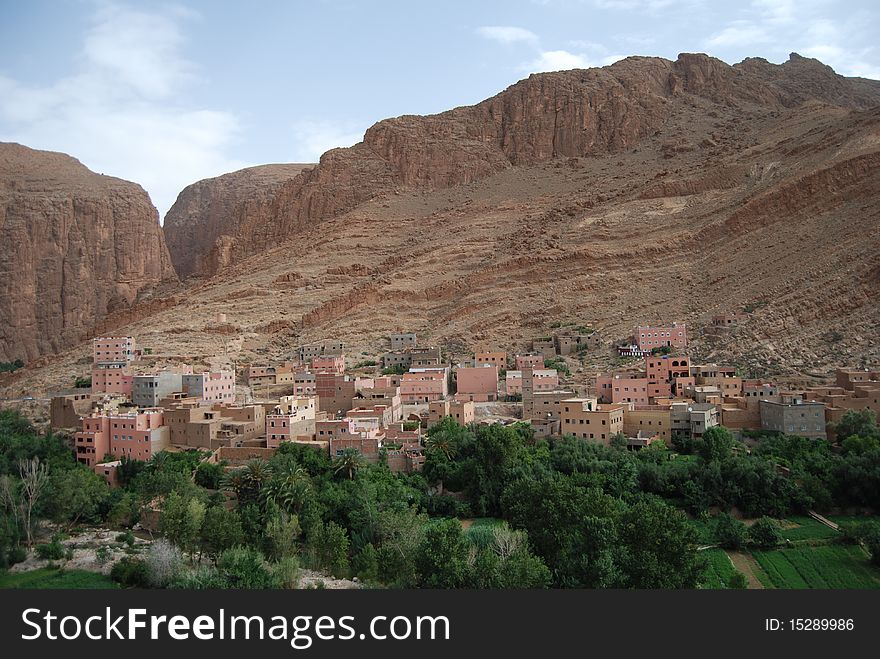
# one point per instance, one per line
(290, 489)
(348, 463)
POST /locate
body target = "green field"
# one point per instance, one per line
(48, 577)
(719, 570)
(828, 566)
(805, 528)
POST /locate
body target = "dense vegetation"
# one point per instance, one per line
(569, 513)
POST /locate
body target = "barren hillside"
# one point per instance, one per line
(674, 191)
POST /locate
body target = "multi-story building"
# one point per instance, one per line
(650, 337)
(402, 341)
(148, 390)
(328, 364)
(847, 378)
(793, 415)
(335, 393)
(543, 379)
(135, 435)
(114, 349)
(291, 419)
(423, 385)
(586, 418)
(690, 419)
(216, 387)
(648, 421)
(531, 360)
(497, 359)
(478, 384)
(112, 378)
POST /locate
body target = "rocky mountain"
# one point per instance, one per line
(77, 245)
(578, 113)
(645, 191)
(207, 213)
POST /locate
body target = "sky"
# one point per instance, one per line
(165, 94)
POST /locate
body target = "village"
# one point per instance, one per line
(336, 403)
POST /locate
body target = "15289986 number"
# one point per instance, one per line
(821, 624)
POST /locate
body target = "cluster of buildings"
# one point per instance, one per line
(311, 399)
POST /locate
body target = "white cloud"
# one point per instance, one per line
(563, 60)
(118, 112)
(739, 34)
(313, 138)
(507, 34)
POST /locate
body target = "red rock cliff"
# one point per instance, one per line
(76, 245)
(565, 114)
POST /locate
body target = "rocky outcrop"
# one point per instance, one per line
(217, 207)
(77, 246)
(552, 115)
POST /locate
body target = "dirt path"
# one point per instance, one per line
(745, 564)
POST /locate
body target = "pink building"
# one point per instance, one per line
(479, 384)
(623, 388)
(113, 349)
(423, 385)
(543, 379)
(112, 378)
(533, 361)
(648, 338)
(329, 364)
(216, 387)
(134, 435)
(138, 435)
(667, 367)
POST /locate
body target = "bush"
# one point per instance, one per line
(16, 555)
(126, 538)
(765, 533)
(52, 551)
(244, 567)
(203, 578)
(164, 563)
(286, 572)
(737, 580)
(130, 572)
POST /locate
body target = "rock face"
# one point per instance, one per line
(77, 245)
(217, 207)
(547, 116)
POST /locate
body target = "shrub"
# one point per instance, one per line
(164, 563)
(126, 538)
(737, 580)
(102, 555)
(131, 572)
(286, 572)
(244, 567)
(53, 551)
(16, 555)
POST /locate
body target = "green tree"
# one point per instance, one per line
(765, 533)
(209, 475)
(716, 444)
(730, 532)
(442, 556)
(220, 530)
(75, 495)
(659, 547)
(181, 521)
(348, 463)
(862, 423)
(280, 536)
